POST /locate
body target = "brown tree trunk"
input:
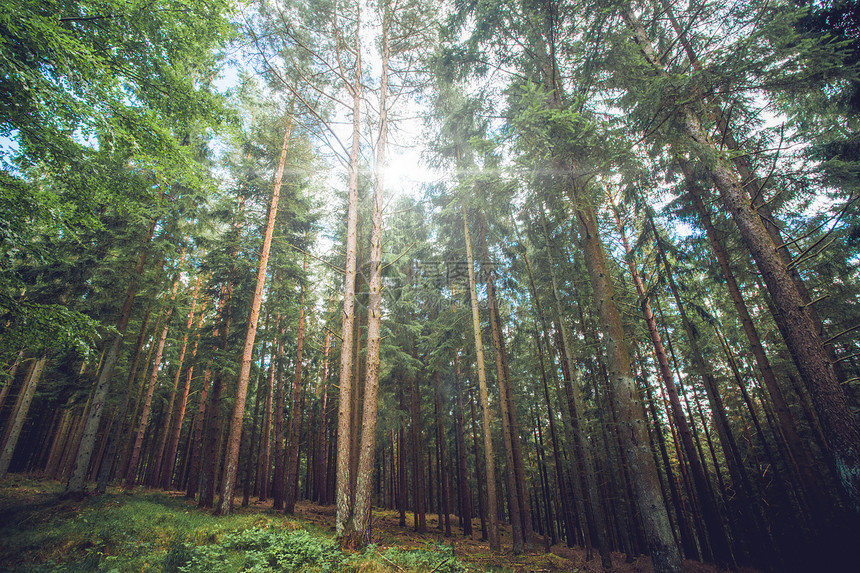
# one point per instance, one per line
(710, 512)
(798, 452)
(631, 415)
(322, 471)
(514, 489)
(463, 482)
(75, 487)
(559, 464)
(594, 515)
(295, 411)
(19, 415)
(489, 461)
(264, 462)
(345, 479)
(479, 474)
(171, 441)
(521, 515)
(444, 481)
(131, 472)
(253, 443)
(231, 465)
(419, 518)
(279, 491)
(798, 331)
(179, 418)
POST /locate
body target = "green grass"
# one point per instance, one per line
(156, 532)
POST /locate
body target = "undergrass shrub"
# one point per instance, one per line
(436, 557)
(259, 550)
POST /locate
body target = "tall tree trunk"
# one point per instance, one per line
(521, 523)
(419, 518)
(798, 331)
(463, 482)
(279, 491)
(444, 481)
(131, 472)
(117, 431)
(264, 462)
(559, 464)
(710, 512)
(489, 461)
(321, 473)
(253, 451)
(798, 452)
(734, 460)
(514, 490)
(631, 415)
(231, 465)
(479, 474)
(344, 480)
(22, 408)
(171, 434)
(75, 487)
(295, 410)
(179, 418)
(585, 460)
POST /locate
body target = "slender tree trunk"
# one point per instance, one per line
(489, 461)
(755, 523)
(322, 471)
(22, 408)
(585, 465)
(183, 402)
(10, 378)
(711, 514)
(75, 487)
(479, 474)
(519, 489)
(264, 462)
(444, 482)
(231, 465)
(344, 480)
(419, 517)
(295, 411)
(279, 492)
(253, 443)
(631, 415)
(175, 426)
(463, 482)
(131, 472)
(117, 432)
(514, 489)
(798, 331)
(797, 450)
(559, 464)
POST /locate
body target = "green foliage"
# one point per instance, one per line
(262, 550)
(33, 325)
(155, 532)
(434, 557)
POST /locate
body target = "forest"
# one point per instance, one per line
(540, 274)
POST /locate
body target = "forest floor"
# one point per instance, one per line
(147, 530)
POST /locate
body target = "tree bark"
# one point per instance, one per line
(798, 331)
(22, 408)
(75, 487)
(489, 461)
(344, 479)
(231, 465)
(131, 472)
(631, 415)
